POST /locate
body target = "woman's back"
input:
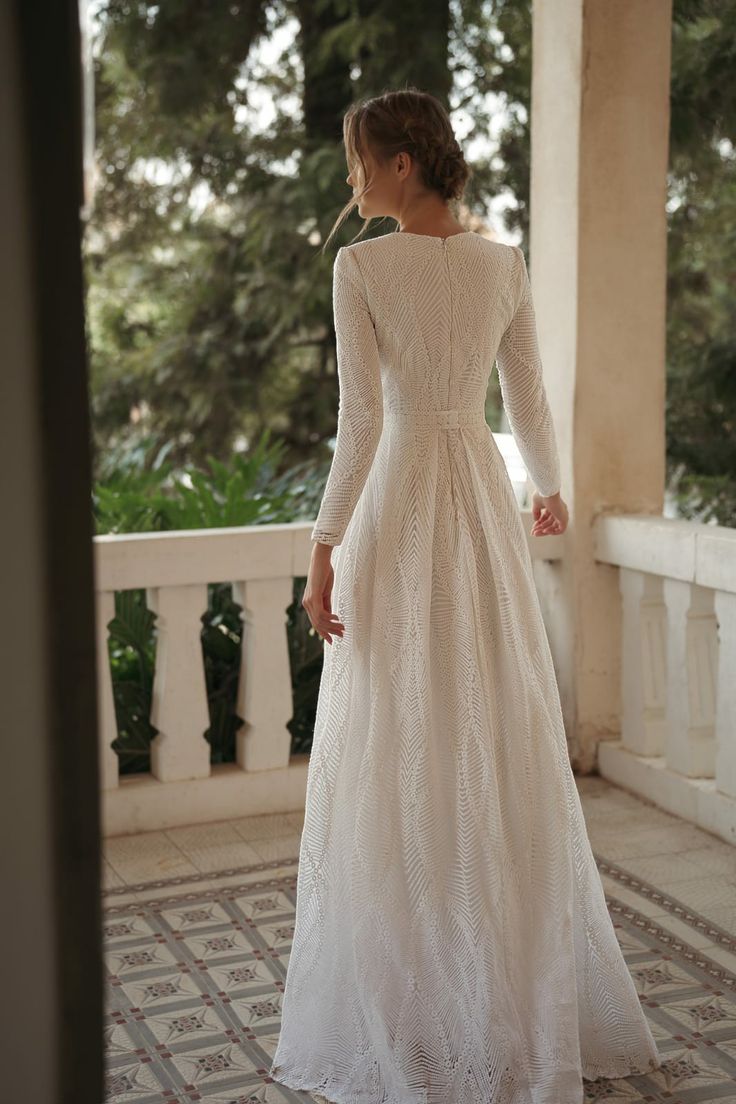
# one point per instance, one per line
(420, 320)
(440, 307)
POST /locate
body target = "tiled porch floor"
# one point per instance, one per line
(634, 840)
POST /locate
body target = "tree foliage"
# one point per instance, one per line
(701, 328)
(221, 170)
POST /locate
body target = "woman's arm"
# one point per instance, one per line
(523, 393)
(360, 406)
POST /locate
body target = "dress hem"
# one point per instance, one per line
(293, 1081)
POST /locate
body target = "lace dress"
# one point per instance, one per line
(452, 941)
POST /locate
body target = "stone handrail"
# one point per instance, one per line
(175, 568)
(678, 693)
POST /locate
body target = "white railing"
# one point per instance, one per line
(678, 714)
(175, 568)
(678, 693)
(182, 787)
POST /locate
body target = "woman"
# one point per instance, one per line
(452, 941)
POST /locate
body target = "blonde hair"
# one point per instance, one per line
(408, 121)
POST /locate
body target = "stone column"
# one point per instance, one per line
(599, 126)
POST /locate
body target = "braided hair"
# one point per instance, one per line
(411, 121)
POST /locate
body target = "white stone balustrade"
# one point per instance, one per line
(182, 788)
(677, 743)
(678, 668)
(174, 568)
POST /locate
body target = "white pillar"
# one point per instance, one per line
(598, 257)
(264, 693)
(692, 649)
(179, 709)
(643, 663)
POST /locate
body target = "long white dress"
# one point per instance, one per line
(452, 941)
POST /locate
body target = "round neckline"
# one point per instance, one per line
(432, 237)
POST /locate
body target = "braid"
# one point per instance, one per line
(442, 162)
(412, 121)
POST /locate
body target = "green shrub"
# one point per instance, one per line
(133, 498)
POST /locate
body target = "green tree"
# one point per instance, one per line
(701, 330)
(210, 312)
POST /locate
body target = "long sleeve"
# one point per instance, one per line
(360, 405)
(523, 392)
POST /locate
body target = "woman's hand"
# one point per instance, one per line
(318, 593)
(550, 515)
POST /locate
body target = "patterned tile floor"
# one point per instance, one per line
(198, 924)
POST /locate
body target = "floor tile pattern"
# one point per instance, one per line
(197, 956)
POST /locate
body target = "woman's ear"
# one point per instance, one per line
(403, 164)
